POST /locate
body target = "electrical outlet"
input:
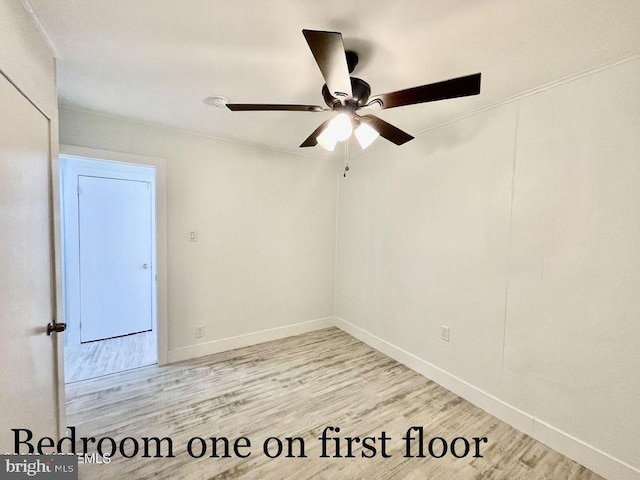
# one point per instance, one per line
(199, 331)
(444, 333)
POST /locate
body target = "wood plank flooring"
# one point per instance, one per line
(297, 387)
(104, 357)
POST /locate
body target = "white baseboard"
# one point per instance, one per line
(231, 343)
(592, 458)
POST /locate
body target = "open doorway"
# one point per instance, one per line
(109, 256)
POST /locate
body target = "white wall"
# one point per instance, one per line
(265, 253)
(519, 228)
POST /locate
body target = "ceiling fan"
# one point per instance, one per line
(345, 95)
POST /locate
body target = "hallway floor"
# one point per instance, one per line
(113, 355)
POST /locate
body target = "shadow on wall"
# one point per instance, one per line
(442, 138)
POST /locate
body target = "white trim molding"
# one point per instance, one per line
(161, 227)
(222, 345)
(583, 453)
(26, 4)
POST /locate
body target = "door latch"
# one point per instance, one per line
(54, 326)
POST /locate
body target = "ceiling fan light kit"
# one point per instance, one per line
(340, 127)
(327, 141)
(365, 135)
(345, 95)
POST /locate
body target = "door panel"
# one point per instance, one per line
(115, 235)
(28, 372)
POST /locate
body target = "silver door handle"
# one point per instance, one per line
(145, 266)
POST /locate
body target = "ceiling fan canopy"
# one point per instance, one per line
(345, 95)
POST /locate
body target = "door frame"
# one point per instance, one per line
(160, 268)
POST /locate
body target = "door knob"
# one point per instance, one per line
(54, 326)
(145, 266)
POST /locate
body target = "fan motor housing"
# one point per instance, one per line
(360, 89)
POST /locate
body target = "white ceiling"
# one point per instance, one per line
(155, 60)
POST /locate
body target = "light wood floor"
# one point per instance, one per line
(297, 387)
(104, 357)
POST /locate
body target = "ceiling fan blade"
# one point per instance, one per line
(312, 140)
(328, 50)
(257, 107)
(456, 87)
(386, 130)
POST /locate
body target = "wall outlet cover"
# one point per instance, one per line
(445, 333)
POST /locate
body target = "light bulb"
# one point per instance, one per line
(326, 140)
(340, 127)
(366, 135)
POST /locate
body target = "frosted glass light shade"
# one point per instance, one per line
(365, 135)
(340, 127)
(326, 140)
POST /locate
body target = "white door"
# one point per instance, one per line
(115, 236)
(28, 375)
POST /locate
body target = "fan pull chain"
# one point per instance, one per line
(346, 159)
